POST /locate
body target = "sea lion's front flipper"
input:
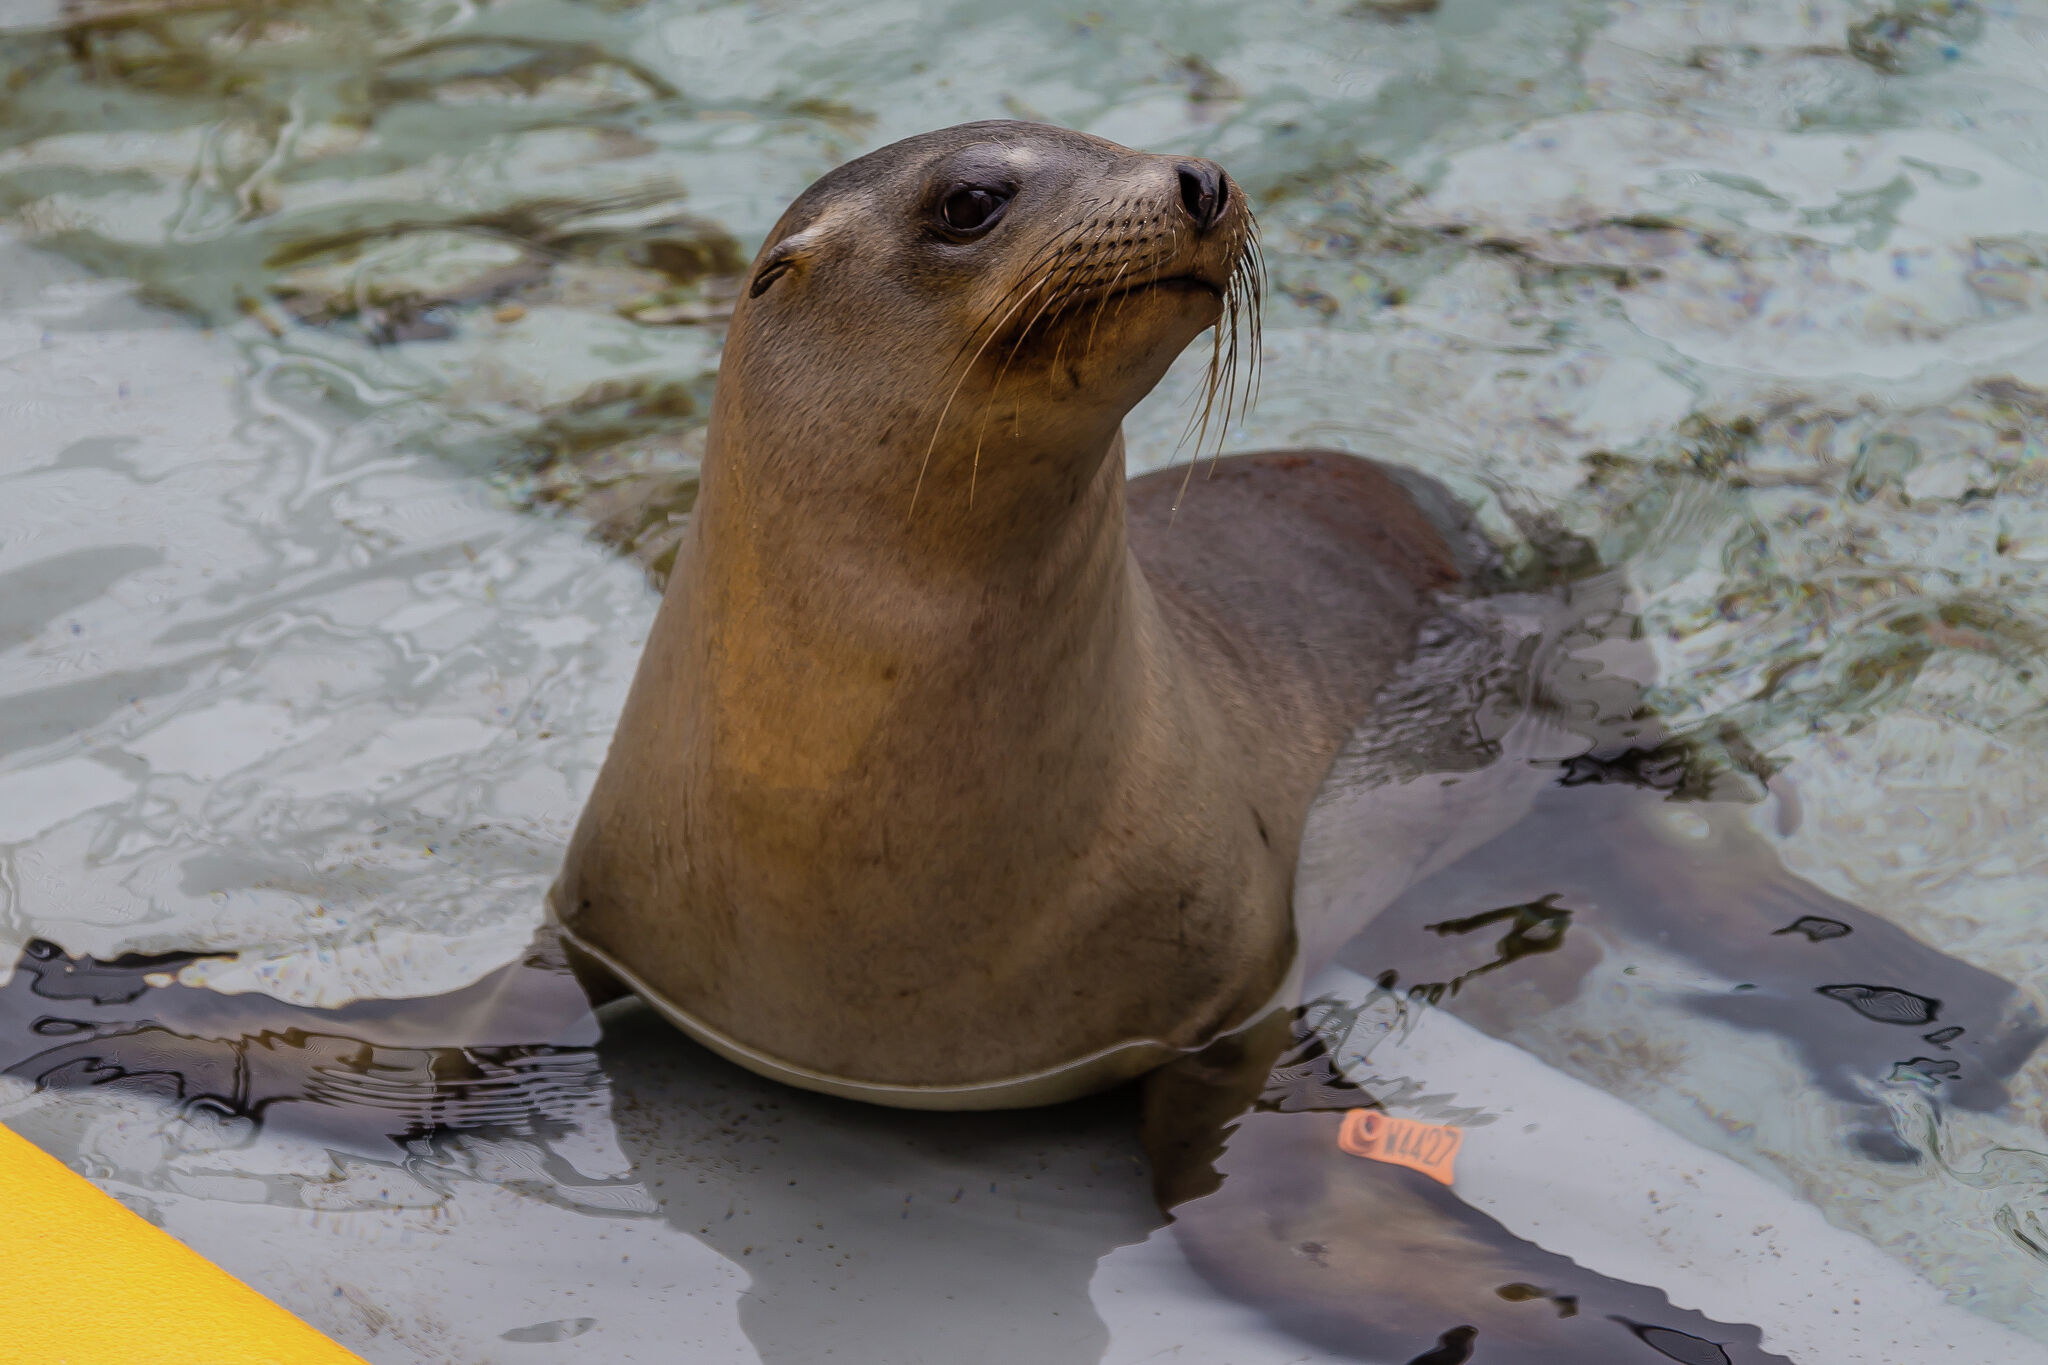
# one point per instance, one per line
(1370, 1258)
(1685, 909)
(511, 1052)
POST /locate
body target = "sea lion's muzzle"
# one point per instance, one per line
(1154, 225)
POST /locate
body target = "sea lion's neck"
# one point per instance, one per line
(1054, 537)
(977, 497)
(838, 647)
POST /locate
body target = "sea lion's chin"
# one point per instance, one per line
(1189, 300)
(1195, 289)
(1153, 324)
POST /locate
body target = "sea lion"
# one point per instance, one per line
(956, 772)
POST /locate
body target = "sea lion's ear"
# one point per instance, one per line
(772, 269)
(791, 252)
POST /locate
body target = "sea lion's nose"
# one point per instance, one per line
(1204, 192)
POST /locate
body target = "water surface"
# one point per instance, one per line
(329, 332)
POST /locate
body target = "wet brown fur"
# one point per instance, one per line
(951, 757)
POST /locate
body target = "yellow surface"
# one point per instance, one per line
(85, 1282)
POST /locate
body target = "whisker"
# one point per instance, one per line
(1201, 435)
(1072, 257)
(1239, 333)
(1065, 265)
(969, 369)
(1148, 263)
(1055, 286)
(974, 470)
(1254, 265)
(1201, 415)
(1230, 303)
(1048, 253)
(1089, 349)
(1086, 251)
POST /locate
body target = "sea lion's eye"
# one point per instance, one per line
(973, 208)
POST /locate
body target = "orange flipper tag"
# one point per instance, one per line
(1426, 1147)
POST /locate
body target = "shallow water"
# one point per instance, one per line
(328, 330)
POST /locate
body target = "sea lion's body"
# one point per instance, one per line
(956, 773)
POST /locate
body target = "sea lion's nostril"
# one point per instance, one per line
(1204, 191)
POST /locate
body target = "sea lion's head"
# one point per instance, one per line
(971, 312)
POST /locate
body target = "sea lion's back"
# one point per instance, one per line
(1306, 572)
